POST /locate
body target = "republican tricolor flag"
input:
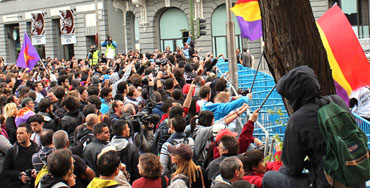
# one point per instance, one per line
(248, 14)
(350, 68)
(28, 56)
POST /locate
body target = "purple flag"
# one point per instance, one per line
(28, 56)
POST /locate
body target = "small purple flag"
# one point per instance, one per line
(28, 56)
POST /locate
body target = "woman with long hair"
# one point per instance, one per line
(150, 169)
(10, 113)
(181, 155)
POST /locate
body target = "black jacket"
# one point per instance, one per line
(11, 129)
(49, 122)
(303, 136)
(129, 155)
(70, 121)
(17, 162)
(91, 153)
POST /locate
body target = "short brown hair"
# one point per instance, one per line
(151, 166)
(222, 97)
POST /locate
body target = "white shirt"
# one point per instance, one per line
(363, 98)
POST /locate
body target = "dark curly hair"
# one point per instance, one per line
(151, 166)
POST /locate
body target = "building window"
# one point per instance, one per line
(219, 44)
(172, 21)
(357, 12)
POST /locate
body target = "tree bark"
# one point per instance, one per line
(292, 39)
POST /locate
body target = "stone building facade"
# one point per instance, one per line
(134, 24)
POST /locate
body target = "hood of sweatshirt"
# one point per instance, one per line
(119, 142)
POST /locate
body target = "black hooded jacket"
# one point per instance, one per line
(303, 136)
(70, 121)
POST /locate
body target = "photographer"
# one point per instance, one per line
(143, 122)
(18, 160)
(93, 56)
(110, 51)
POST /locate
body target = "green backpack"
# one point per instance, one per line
(346, 160)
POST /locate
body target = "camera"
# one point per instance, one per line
(29, 174)
(243, 92)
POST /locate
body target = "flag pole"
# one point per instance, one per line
(268, 95)
(258, 66)
(230, 38)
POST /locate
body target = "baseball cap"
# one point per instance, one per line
(223, 133)
(181, 149)
(218, 127)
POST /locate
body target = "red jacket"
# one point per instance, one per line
(256, 179)
(146, 182)
(245, 139)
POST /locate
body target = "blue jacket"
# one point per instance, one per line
(220, 110)
(104, 106)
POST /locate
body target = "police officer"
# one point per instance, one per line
(93, 56)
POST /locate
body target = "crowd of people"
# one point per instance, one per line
(161, 119)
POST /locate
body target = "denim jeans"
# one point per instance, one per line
(276, 179)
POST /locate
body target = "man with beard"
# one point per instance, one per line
(37, 123)
(18, 159)
(46, 111)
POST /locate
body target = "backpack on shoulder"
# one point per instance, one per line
(346, 160)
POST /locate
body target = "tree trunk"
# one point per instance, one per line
(292, 39)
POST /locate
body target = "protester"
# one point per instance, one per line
(60, 167)
(18, 160)
(227, 147)
(39, 159)
(255, 167)
(85, 101)
(231, 169)
(91, 151)
(181, 156)
(303, 136)
(127, 151)
(150, 169)
(10, 113)
(37, 122)
(177, 127)
(112, 172)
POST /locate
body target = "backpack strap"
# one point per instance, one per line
(59, 184)
(15, 152)
(163, 181)
(201, 176)
(113, 186)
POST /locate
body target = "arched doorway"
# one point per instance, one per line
(219, 44)
(171, 22)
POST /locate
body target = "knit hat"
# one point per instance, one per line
(26, 100)
(181, 149)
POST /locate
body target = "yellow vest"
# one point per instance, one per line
(95, 58)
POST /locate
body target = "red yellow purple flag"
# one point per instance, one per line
(248, 14)
(28, 56)
(350, 68)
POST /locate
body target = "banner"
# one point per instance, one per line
(67, 27)
(38, 29)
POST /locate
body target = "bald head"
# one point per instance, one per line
(129, 108)
(60, 139)
(91, 120)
